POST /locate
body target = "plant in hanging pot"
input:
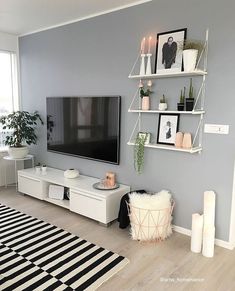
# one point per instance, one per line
(163, 104)
(145, 97)
(142, 138)
(192, 49)
(180, 105)
(22, 125)
(190, 100)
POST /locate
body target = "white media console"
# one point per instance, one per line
(100, 205)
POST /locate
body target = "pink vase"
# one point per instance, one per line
(145, 103)
(179, 139)
(187, 141)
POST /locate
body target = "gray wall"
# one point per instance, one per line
(94, 57)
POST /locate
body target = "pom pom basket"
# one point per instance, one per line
(150, 225)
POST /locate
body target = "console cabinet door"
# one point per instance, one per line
(30, 186)
(88, 205)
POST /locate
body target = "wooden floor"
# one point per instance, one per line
(164, 266)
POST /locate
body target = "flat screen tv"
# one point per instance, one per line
(87, 127)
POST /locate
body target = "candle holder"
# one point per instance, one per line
(149, 67)
(142, 64)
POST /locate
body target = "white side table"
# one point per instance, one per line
(8, 158)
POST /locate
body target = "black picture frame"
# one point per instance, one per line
(164, 65)
(167, 135)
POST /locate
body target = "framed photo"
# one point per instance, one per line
(146, 135)
(169, 56)
(168, 125)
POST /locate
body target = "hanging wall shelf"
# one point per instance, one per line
(198, 109)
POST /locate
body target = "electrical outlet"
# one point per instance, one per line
(216, 128)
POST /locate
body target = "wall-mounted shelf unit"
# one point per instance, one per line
(198, 109)
(171, 75)
(194, 112)
(170, 148)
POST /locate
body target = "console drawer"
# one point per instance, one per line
(88, 205)
(30, 186)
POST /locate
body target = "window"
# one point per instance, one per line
(9, 99)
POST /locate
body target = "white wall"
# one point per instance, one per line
(8, 42)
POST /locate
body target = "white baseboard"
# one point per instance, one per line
(218, 242)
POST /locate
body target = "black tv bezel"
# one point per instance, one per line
(119, 130)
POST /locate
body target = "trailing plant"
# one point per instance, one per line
(190, 94)
(22, 124)
(139, 152)
(163, 99)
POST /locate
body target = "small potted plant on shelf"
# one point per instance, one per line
(142, 138)
(163, 104)
(180, 105)
(190, 100)
(22, 125)
(191, 50)
(145, 96)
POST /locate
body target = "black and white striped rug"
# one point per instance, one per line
(35, 255)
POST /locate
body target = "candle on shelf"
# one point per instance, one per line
(142, 46)
(149, 46)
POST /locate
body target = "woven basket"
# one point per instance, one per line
(150, 225)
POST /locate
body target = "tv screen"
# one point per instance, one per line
(87, 127)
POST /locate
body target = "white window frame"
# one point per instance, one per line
(14, 79)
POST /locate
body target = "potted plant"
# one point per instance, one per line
(22, 124)
(141, 139)
(180, 105)
(190, 100)
(162, 105)
(145, 94)
(191, 50)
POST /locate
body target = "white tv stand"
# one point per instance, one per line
(100, 205)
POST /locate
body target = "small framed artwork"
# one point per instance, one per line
(169, 53)
(168, 125)
(145, 135)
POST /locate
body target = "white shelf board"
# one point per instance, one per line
(62, 203)
(171, 148)
(169, 75)
(195, 112)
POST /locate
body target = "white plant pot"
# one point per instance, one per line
(190, 59)
(145, 103)
(18, 153)
(162, 106)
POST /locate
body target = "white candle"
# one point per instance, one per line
(196, 235)
(143, 45)
(149, 47)
(209, 208)
(208, 241)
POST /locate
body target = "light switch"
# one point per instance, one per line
(216, 128)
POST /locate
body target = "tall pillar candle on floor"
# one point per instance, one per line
(208, 241)
(196, 237)
(209, 208)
